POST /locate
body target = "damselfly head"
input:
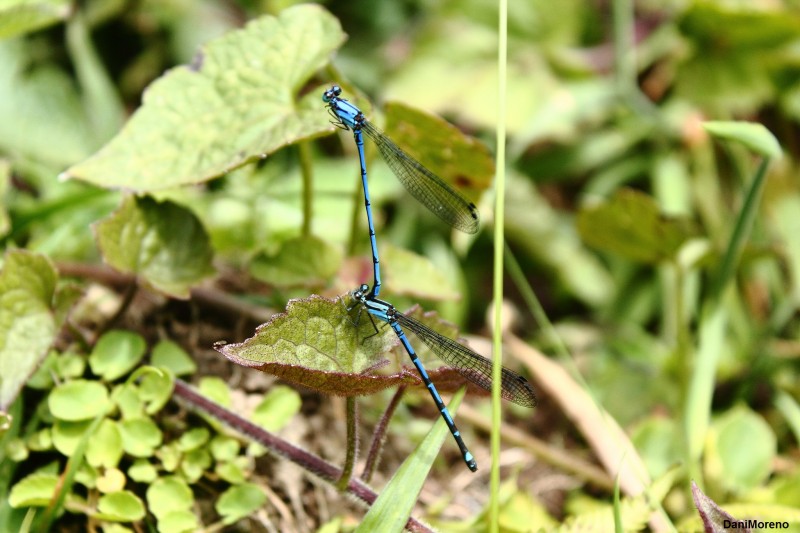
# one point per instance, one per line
(360, 292)
(331, 93)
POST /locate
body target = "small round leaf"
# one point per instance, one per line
(78, 400)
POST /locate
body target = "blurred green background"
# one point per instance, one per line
(620, 209)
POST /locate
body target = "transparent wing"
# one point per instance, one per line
(428, 188)
(469, 364)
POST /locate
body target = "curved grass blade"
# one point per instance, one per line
(391, 510)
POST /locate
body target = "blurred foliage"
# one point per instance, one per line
(181, 144)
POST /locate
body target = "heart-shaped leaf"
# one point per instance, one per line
(318, 344)
(235, 103)
(302, 261)
(162, 242)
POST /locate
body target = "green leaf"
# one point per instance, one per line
(183, 521)
(239, 501)
(115, 528)
(231, 472)
(391, 510)
(631, 225)
(67, 436)
(737, 50)
(129, 401)
(111, 480)
(414, 275)
(163, 243)
(18, 17)
(300, 262)
(736, 467)
(70, 365)
(105, 446)
(78, 400)
(155, 390)
(215, 389)
(170, 457)
(169, 494)
(224, 448)
(116, 353)
(41, 440)
(140, 436)
(753, 135)
(316, 343)
(234, 104)
(170, 355)
(194, 465)
(276, 409)
(634, 513)
(43, 116)
(653, 440)
(27, 326)
(523, 508)
(193, 439)
(122, 506)
(142, 471)
(15, 449)
(460, 160)
(36, 489)
(87, 476)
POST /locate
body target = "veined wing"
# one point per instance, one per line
(469, 364)
(428, 188)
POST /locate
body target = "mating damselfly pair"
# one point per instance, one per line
(444, 201)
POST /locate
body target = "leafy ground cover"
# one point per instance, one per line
(182, 225)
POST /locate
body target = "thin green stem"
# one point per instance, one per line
(713, 322)
(536, 309)
(308, 186)
(352, 444)
(499, 231)
(744, 222)
(624, 58)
